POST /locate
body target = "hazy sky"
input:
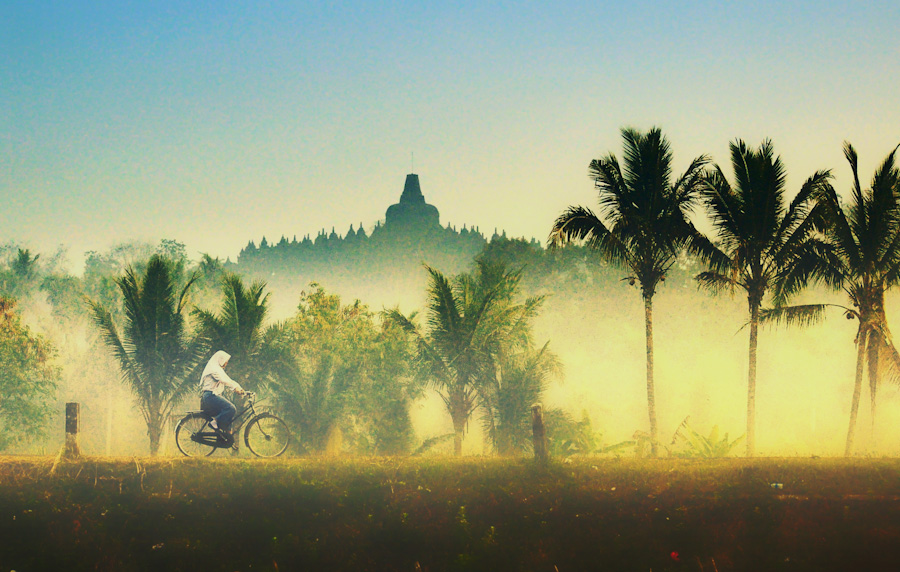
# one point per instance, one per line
(214, 123)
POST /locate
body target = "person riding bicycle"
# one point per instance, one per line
(213, 382)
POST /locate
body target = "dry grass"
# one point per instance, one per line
(448, 514)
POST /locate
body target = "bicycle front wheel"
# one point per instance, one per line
(190, 435)
(267, 435)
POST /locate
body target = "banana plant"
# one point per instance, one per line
(688, 443)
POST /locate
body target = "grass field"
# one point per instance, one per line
(449, 514)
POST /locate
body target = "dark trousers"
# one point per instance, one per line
(220, 408)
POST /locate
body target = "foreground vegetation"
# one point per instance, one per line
(448, 514)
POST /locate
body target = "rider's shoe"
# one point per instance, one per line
(225, 437)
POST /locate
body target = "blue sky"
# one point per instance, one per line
(214, 123)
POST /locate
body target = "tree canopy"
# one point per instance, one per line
(28, 379)
(155, 351)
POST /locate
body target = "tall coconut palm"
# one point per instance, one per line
(861, 256)
(155, 353)
(757, 235)
(643, 223)
(469, 318)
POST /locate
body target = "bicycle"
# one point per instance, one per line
(266, 435)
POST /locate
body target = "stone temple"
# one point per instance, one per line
(412, 212)
(410, 235)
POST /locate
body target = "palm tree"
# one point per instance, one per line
(23, 275)
(155, 353)
(469, 319)
(756, 236)
(210, 274)
(25, 266)
(520, 379)
(644, 223)
(861, 256)
(239, 329)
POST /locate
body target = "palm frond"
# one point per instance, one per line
(853, 159)
(183, 383)
(432, 442)
(840, 229)
(697, 244)
(802, 315)
(443, 310)
(576, 224)
(716, 282)
(798, 222)
(724, 207)
(890, 357)
(110, 335)
(394, 315)
(182, 296)
(688, 188)
(613, 190)
(812, 262)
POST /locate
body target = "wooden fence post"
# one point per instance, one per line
(538, 435)
(71, 447)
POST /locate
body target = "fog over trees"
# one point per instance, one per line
(415, 337)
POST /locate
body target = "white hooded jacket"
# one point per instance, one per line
(214, 377)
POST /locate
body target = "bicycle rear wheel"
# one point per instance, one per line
(190, 433)
(267, 435)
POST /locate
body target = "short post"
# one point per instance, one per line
(537, 429)
(71, 448)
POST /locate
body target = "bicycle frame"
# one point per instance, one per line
(214, 439)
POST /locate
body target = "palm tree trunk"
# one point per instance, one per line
(857, 389)
(154, 423)
(751, 378)
(873, 349)
(651, 392)
(154, 430)
(456, 406)
(459, 426)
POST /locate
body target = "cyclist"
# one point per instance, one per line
(213, 382)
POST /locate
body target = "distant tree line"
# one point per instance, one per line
(358, 253)
(343, 375)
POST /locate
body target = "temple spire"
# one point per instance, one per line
(412, 212)
(412, 192)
